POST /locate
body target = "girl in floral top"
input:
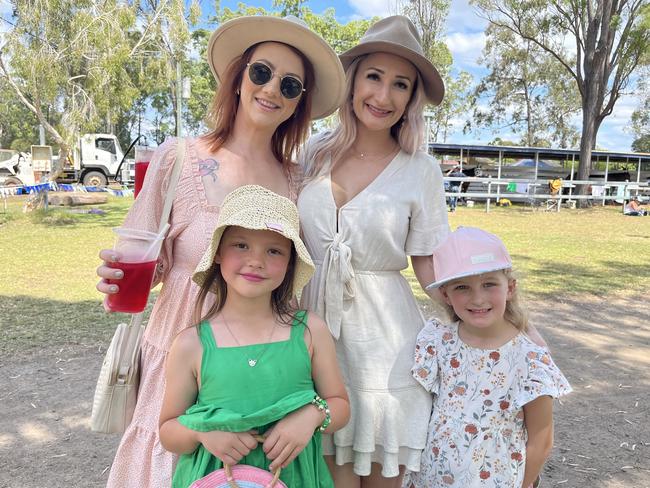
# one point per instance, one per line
(492, 420)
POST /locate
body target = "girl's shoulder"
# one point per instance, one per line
(538, 373)
(315, 331)
(187, 343)
(435, 329)
(313, 323)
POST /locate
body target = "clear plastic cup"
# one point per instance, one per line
(139, 252)
(143, 155)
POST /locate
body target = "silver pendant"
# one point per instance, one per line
(252, 362)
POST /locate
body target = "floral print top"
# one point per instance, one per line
(477, 436)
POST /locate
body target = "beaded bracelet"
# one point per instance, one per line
(322, 405)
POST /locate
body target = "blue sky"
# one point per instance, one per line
(465, 40)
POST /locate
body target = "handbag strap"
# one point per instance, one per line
(173, 182)
(136, 318)
(233, 482)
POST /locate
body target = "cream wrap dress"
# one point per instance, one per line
(359, 251)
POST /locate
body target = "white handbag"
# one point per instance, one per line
(116, 392)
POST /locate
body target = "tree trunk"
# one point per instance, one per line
(587, 141)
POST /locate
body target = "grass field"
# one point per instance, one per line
(48, 261)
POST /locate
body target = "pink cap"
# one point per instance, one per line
(468, 251)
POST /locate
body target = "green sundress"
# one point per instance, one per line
(237, 397)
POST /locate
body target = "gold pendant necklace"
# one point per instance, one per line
(251, 361)
(380, 156)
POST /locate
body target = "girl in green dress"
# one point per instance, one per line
(253, 365)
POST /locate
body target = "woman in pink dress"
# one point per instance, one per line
(269, 92)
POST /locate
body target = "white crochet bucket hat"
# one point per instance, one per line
(256, 208)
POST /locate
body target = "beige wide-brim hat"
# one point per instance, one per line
(256, 208)
(397, 35)
(232, 38)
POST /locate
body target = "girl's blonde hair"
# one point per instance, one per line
(515, 312)
(281, 297)
(408, 132)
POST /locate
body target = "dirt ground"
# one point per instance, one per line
(602, 430)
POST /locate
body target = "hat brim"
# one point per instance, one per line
(438, 284)
(304, 265)
(235, 36)
(434, 88)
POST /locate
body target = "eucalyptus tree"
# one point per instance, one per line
(524, 92)
(640, 126)
(599, 43)
(68, 58)
(18, 125)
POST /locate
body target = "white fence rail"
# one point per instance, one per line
(539, 190)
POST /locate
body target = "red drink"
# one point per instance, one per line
(134, 286)
(140, 171)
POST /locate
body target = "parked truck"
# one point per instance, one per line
(15, 168)
(95, 160)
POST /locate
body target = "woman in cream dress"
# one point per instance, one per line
(372, 199)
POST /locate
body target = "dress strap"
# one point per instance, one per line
(206, 336)
(298, 324)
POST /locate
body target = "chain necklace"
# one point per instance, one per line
(380, 156)
(251, 361)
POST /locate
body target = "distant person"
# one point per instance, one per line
(454, 186)
(634, 208)
(492, 419)
(253, 364)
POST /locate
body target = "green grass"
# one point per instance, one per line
(48, 261)
(47, 281)
(596, 251)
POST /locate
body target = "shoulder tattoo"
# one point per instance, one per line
(209, 167)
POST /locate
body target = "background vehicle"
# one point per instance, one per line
(15, 168)
(95, 160)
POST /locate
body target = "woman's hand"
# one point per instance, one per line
(286, 439)
(230, 447)
(107, 273)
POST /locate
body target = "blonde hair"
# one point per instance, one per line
(408, 132)
(515, 312)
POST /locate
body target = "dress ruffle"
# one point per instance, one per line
(382, 429)
(205, 418)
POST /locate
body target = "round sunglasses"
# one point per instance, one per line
(260, 74)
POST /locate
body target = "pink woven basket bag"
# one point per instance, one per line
(241, 476)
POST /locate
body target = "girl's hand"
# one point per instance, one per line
(230, 447)
(286, 439)
(107, 273)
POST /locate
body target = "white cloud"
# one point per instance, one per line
(371, 8)
(466, 48)
(6, 12)
(615, 133)
(464, 18)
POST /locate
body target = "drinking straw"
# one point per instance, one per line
(159, 237)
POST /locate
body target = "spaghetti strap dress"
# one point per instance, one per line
(237, 397)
